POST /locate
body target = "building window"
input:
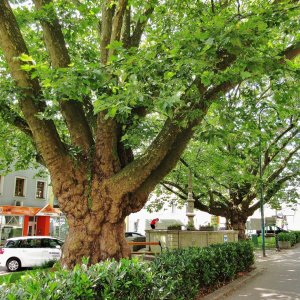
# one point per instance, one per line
(20, 187)
(40, 190)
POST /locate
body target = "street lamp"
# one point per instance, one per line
(261, 187)
(262, 217)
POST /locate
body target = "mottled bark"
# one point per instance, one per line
(240, 226)
(93, 239)
(96, 221)
(237, 220)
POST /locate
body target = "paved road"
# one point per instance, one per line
(280, 280)
(3, 270)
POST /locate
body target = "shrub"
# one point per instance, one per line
(193, 268)
(293, 238)
(297, 233)
(190, 226)
(283, 236)
(288, 236)
(172, 275)
(174, 227)
(206, 228)
(127, 279)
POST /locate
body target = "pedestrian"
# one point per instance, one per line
(153, 223)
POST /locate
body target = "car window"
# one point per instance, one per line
(24, 244)
(12, 244)
(30, 243)
(135, 235)
(127, 234)
(51, 243)
(37, 243)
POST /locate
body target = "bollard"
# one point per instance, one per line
(254, 239)
(276, 243)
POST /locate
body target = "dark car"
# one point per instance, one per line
(271, 229)
(135, 237)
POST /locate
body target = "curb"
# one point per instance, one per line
(224, 291)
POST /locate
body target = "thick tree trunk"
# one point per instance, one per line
(237, 219)
(94, 240)
(240, 226)
(95, 214)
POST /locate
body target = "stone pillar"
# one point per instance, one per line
(190, 202)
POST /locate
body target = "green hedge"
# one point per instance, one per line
(174, 275)
(297, 233)
(288, 236)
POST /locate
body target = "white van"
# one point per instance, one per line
(29, 251)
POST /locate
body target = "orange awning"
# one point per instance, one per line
(48, 210)
(18, 210)
(10, 210)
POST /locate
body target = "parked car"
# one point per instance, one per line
(271, 229)
(29, 251)
(135, 237)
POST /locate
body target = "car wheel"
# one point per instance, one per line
(13, 264)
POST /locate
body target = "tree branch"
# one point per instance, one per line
(43, 131)
(277, 172)
(173, 191)
(275, 187)
(269, 158)
(126, 28)
(161, 156)
(177, 186)
(199, 205)
(72, 111)
(254, 207)
(220, 195)
(218, 209)
(117, 22)
(291, 52)
(140, 27)
(272, 191)
(106, 29)
(13, 118)
(184, 162)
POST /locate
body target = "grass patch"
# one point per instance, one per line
(15, 276)
(270, 243)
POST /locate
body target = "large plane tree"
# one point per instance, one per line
(224, 154)
(107, 94)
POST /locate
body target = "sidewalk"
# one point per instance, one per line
(276, 276)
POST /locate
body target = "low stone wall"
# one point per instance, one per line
(174, 239)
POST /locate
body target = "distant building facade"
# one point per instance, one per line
(24, 204)
(24, 188)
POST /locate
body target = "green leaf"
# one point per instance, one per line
(245, 75)
(168, 75)
(209, 41)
